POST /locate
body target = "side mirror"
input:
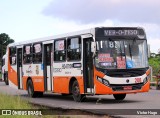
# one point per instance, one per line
(93, 47)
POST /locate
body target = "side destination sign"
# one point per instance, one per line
(125, 32)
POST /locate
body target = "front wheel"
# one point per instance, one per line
(76, 92)
(119, 96)
(30, 88)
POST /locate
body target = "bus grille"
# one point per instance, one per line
(121, 87)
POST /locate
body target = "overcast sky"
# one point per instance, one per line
(29, 19)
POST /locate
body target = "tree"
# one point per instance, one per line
(4, 41)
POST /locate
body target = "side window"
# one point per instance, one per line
(74, 49)
(49, 51)
(37, 53)
(59, 50)
(27, 54)
(12, 55)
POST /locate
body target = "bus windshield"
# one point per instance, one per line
(121, 54)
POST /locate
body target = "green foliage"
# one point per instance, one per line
(155, 64)
(4, 41)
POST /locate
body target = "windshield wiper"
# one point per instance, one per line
(121, 51)
(130, 51)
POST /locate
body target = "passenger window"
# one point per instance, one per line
(27, 54)
(59, 50)
(37, 53)
(74, 49)
(12, 55)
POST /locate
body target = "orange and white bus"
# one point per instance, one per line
(97, 61)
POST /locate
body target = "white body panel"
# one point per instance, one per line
(49, 78)
(12, 85)
(67, 69)
(21, 85)
(14, 68)
(120, 80)
(32, 70)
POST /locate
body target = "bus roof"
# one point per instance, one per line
(81, 32)
(87, 31)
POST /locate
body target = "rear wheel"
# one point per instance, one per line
(6, 79)
(39, 94)
(119, 96)
(76, 92)
(64, 94)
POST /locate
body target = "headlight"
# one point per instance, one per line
(103, 81)
(146, 79)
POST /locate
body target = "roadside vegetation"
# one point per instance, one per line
(10, 102)
(154, 62)
(13, 102)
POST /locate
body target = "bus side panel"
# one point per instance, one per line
(38, 83)
(35, 72)
(12, 74)
(25, 82)
(61, 84)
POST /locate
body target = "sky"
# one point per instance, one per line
(31, 19)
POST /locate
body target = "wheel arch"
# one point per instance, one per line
(71, 83)
(29, 78)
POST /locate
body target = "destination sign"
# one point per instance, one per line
(126, 32)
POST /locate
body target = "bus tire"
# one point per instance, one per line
(119, 96)
(6, 79)
(64, 94)
(39, 94)
(76, 92)
(30, 89)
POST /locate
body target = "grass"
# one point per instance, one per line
(13, 102)
(16, 102)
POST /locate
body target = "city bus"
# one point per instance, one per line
(96, 61)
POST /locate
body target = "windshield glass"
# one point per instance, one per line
(121, 54)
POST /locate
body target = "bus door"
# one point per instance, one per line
(19, 67)
(47, 61)
(88, 66)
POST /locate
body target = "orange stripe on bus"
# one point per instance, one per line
(148, 72)
(61, 84)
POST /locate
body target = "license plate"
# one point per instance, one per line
(127, 87)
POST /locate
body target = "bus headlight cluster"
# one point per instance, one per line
(146, 79)
(103, 81)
